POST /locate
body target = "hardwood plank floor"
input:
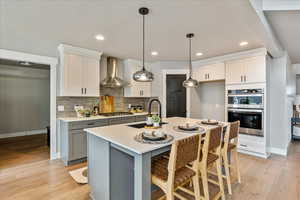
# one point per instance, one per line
(16, 151)
(276, 178)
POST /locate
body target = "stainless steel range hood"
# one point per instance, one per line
(111, 80)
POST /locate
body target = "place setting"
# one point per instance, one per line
(153, 137)
(189, 128)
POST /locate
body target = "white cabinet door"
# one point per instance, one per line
(234, 72)
(73, 75)
(91, 77)
(201, 74)
(216, 72)
(145, 90)
(255, 69)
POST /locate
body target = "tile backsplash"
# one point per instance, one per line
(120, 102)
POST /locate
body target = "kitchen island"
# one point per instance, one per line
(120, 167)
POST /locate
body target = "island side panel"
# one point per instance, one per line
(121, 175)
(99, 167)
(142, 176)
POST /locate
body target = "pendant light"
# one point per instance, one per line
(190, 83)
(143, 75)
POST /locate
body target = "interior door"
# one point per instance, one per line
(91, 80)
(176, 96)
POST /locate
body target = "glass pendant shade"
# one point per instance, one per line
(190, 82)
(143, 75)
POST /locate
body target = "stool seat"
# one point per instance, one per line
(159, 169)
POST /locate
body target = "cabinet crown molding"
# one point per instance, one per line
(64, 48)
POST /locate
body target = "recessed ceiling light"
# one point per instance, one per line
(199, 54)
(99, 37)
(244, 43)
(154, 53)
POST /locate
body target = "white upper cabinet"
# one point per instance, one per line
(79, 72)
(247, 70)
(211, 72)
(135, 89)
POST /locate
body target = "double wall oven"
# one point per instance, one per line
(247, 106)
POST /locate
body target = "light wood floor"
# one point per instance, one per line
(16, 151)
(277, 178)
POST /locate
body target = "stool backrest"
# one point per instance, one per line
(184, 151)
(215, 138)
(234, 129)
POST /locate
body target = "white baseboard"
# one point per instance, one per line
(55, 156)
(23, 133)
(253, 153)
(278, 151)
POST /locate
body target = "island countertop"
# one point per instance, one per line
(123, 135)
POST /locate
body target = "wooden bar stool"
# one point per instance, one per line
(171, 174)
(230, 145)
(211, 157)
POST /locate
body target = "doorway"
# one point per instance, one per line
(25, 112)
(52, 62)
(176, 96)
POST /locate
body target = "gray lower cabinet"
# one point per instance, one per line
(74, 139)
(78, 145)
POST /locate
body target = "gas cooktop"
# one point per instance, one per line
(115, 114)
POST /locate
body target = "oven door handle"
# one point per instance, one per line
(245, 95)
(245, 111)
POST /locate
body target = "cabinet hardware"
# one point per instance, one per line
(207, 76)
(245, 79)
(241, 78)
(243, 145)
(90, 124)
(84, 90)
(81, 90)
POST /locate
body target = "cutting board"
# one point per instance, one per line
(107, 104)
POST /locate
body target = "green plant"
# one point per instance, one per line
(155, 118)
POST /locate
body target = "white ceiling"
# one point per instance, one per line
(38, 26)
(286, 25)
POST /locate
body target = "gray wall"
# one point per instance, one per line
(24, 99)
(208, 101)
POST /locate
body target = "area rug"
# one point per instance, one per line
(80, 175)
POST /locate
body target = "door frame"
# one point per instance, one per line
(166, 72)
(52, 62)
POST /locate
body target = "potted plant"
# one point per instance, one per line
(156, 120)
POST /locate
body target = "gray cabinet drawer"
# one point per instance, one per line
(88, 124)
(141, 118)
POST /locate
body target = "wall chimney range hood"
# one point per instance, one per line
(111, 80)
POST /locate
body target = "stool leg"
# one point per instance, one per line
(196, 186)
(227, 172)
(205, 183)
(220, 177)
(237, 164)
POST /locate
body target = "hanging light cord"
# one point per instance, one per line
(143, 42)
(190, 56)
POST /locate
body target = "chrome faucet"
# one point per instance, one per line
(150, 107)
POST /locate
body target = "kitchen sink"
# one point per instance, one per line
(142, 125)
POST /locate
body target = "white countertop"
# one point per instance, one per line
(75, 119)
(123, 135)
